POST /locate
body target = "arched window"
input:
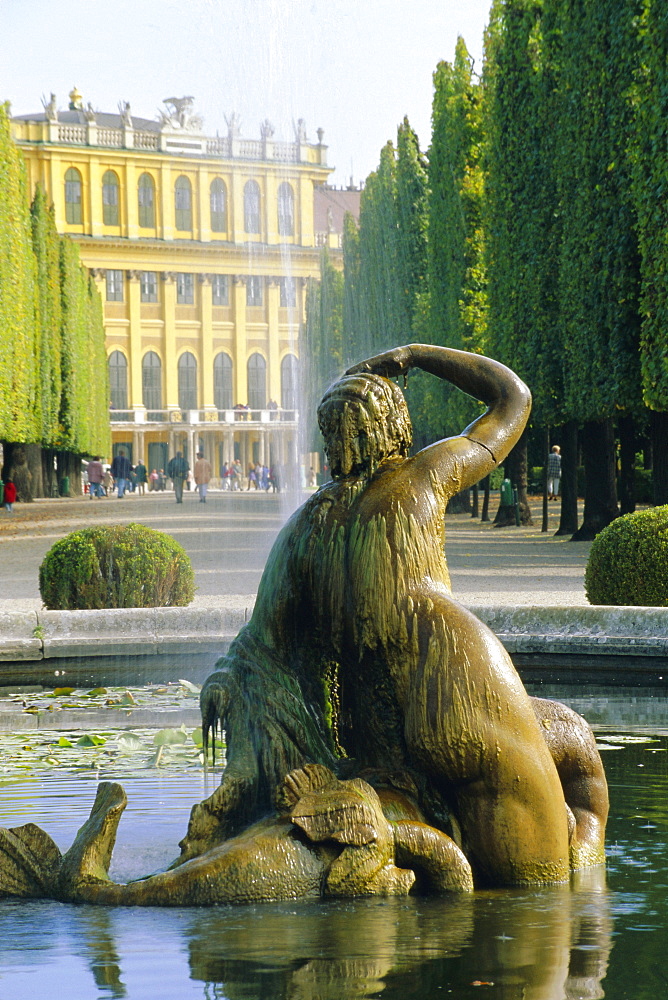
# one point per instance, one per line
(118, 380)
(257, 382)
(183, 204)
(252, 207)
(146, 201)
(289, 382)
(222, 381)
(286, 210)
(187, 382)
(218, 202)
(73, 203)
(151, 382)
(110, 198)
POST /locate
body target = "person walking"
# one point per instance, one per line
(141, 472)
(553, 472)
(95, 477)
(237, 476)
(202, 475)
(177, 470)
(120, 470)
(10, 496)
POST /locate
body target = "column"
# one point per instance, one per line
(236, 206)
(240, 359)
(131, 202)
(169, 360)
(273, 342)
(206, 342)
(165, 199)
(133, 286)
(202, 206)
(271, 209)
(305, 223)
(93, 197)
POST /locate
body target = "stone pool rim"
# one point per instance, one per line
(620, 645)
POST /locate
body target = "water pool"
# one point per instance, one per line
(603, 936)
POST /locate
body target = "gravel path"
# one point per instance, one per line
(229, 537)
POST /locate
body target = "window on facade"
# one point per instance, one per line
(252, 207)
(151, 381)
(289, 382)
(220, 289)
(118, 380)
(286, 210)
(148, 282)
(257, 382)
(183, 204)
(114, 286)
(218, 200)
(185, 288)
(73, 204)
(187, 382)
(288, 292)
(110, 199)
(222, 381)
(253, 291)
(146, 201)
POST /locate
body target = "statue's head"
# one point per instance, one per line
(364, 420)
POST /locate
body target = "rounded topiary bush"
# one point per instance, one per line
(628, 561)
(116, 566)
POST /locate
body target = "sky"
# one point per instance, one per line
(354, 68)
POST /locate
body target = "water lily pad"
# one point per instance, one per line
(189, 686)
(91, 740)
(167, 737)
(129, 742)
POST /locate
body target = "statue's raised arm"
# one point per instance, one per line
(482, 445)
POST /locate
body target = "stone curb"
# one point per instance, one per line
(40, 635)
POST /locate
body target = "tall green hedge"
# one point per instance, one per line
(19, 340)
(54, 382)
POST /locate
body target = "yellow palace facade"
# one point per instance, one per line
(201, 247)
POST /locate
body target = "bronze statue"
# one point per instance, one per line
(360, 680)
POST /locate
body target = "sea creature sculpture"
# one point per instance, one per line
(378, 734)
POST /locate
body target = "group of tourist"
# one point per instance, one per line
(122, 477)
(258, 477)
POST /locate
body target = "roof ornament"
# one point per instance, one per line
(76, 100)
(300, 130)
(266, 129)
(233, 122)
(50, 108)
(125, 113)
(179, 114)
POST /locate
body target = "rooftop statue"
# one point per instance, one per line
(378, 735)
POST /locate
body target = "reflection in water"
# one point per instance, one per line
(532, 943)
(540, 944)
